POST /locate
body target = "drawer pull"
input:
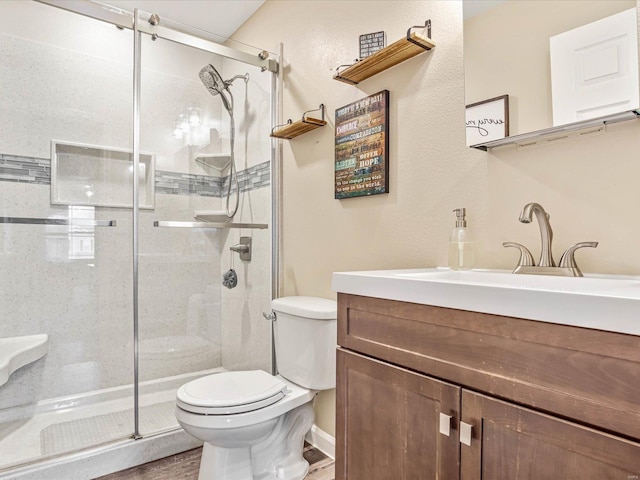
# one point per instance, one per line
(445, 424)
(465, 433)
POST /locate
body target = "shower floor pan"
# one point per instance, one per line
(69, 424)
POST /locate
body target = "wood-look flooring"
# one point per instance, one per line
(184, 466)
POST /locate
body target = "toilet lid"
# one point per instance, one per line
(230, 392)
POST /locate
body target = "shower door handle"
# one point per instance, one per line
(73, 222)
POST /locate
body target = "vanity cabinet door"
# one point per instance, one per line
(388, 423)
(515, 443)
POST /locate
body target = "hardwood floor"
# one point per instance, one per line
(321, 467)
(184, 466)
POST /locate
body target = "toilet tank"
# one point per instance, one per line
(305, 340)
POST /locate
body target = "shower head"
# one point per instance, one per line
(213, 81)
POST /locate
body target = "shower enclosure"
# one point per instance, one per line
(115, 166)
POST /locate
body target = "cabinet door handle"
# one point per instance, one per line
(445, 424)
(465, 433)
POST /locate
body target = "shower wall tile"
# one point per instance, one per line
(85, 305)
(15, 168)
(244, 330)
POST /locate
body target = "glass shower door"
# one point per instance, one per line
(190, 324)
(65, 232)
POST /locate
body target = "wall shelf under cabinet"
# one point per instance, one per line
(562, 132)
(404, 49)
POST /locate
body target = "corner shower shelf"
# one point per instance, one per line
(293, 129)
(16, 352)
(404, 49)
(170, 224)
(217, 161)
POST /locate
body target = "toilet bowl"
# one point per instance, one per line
(252, 423)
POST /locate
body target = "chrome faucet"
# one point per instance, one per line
(546, 234)
(546, 264)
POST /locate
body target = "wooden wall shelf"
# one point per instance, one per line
(405, 48)
(294, 129)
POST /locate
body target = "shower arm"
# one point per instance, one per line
(244, 77)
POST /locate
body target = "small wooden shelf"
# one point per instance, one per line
(293, 129)
(405, 48)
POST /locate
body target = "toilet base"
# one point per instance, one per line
(277, 457)
(225, 463)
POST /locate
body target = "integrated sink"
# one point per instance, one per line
(16, 352)
(603, 285)
(601, 302)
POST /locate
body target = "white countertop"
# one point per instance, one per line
(602, 302)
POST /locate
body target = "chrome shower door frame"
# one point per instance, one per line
(148, 24)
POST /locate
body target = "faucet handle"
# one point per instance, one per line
(567, 260)
(526, 259)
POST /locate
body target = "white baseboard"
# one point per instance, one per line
(322, 441)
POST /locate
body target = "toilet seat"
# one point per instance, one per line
(294, 397)
(230, 393)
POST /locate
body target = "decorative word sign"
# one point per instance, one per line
(362, 143)
(371, 43)
(488, 120)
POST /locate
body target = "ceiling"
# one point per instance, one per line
(471, 8)
(222, 17)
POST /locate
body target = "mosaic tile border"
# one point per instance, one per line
(174, 183)
(252, 178)
(16, 168)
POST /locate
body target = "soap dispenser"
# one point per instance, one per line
(460, 244)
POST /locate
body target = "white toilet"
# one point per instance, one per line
(253, 424)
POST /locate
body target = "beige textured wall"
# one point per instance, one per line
(507, 52)
(589, 186)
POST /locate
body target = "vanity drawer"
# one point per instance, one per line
(587, 375)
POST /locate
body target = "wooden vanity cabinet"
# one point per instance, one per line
(390, 420)
(538, 400)
(512, 442)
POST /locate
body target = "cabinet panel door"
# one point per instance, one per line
(515, 443)
(388, 423)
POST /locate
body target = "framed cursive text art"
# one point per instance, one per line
(487, 120)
